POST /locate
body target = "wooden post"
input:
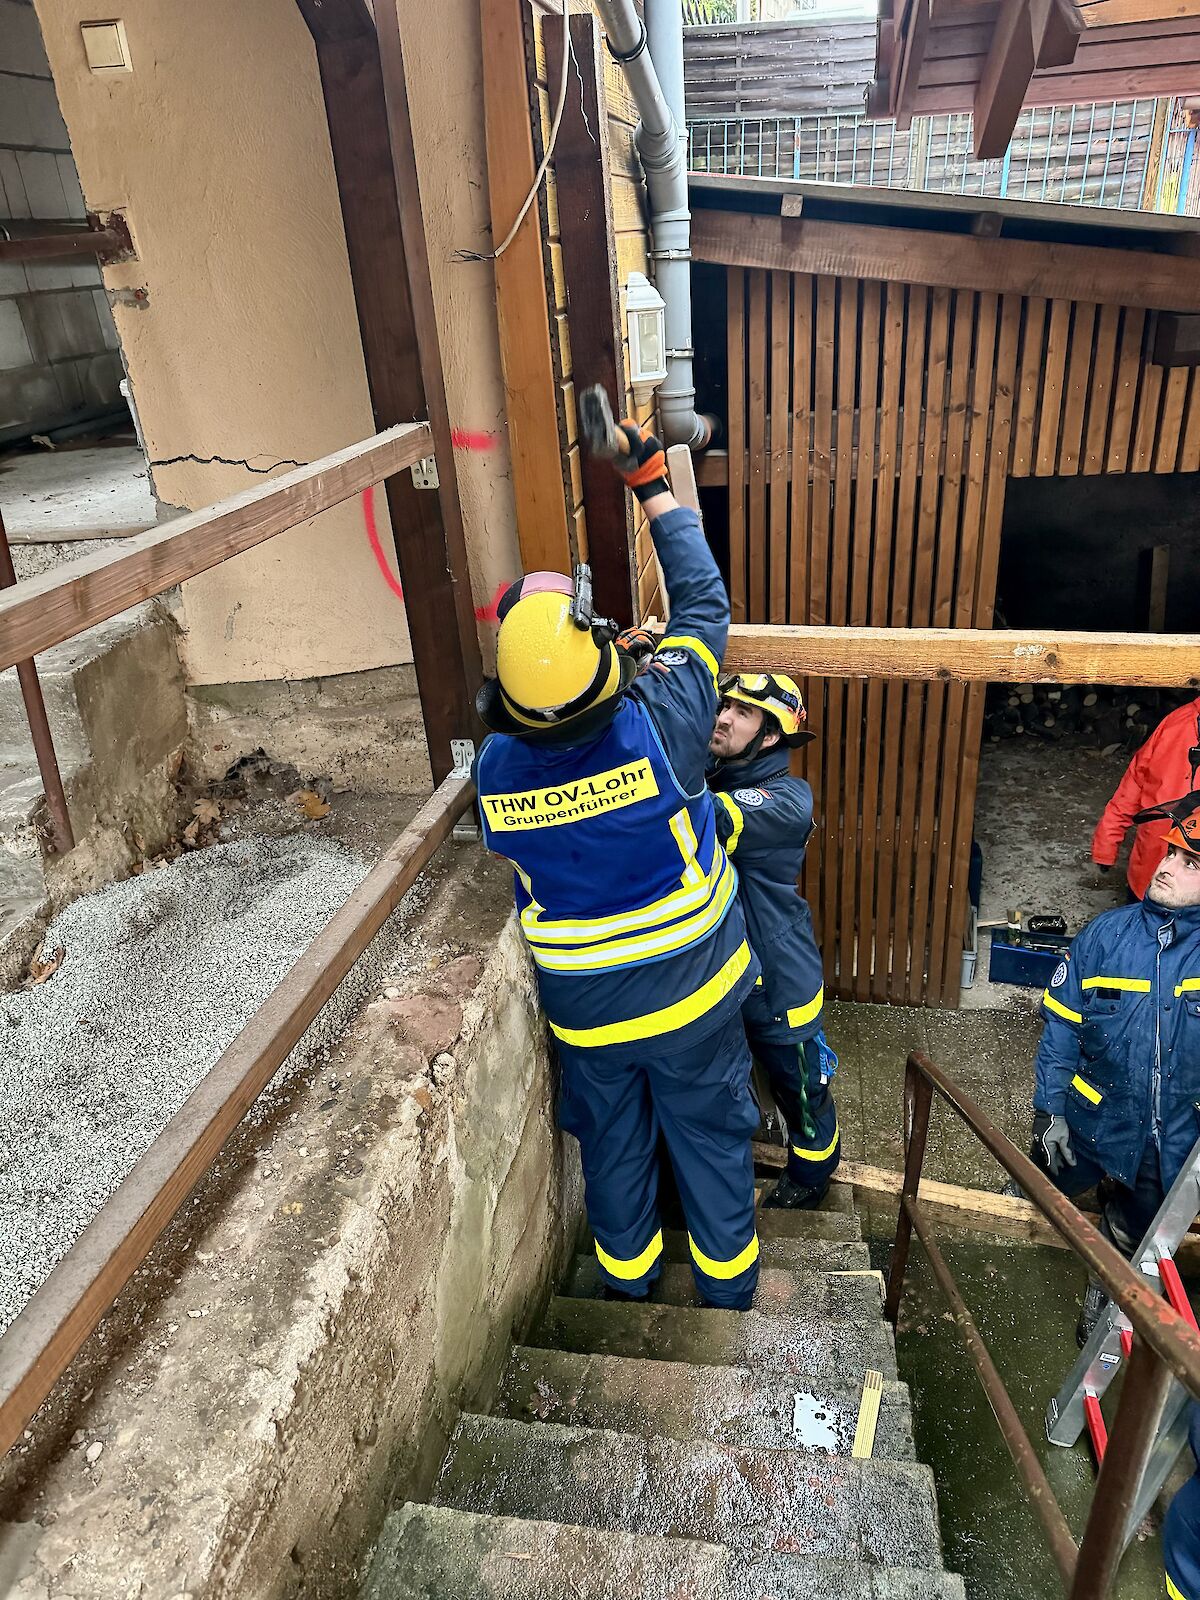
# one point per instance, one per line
(524, 316)
(366, 101)
(582, 167)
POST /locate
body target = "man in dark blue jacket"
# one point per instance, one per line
(764, 820)
(593, 788)
(1117, 1092)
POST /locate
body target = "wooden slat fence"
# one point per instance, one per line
(872, 430)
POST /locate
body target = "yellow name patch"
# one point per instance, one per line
(572, 802)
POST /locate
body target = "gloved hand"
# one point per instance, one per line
(1050, 1145)
(639, 643)
(645, 467)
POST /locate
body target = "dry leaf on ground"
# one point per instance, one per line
(310, 803)
(206, 812)
(43, 966)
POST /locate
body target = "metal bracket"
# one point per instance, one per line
(425, 473)
(462, 753)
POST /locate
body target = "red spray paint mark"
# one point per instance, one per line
(488, 613)
(465, 439)
(482, 613)
(368, 504)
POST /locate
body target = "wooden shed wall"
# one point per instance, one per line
(872, 430)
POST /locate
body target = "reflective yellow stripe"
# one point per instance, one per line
(689, 845)
(1051, 1004)
(725, 1269)
(1086, 1090)
(637, 1266)
(679, 641)
(658, 942)
(1137, 985)
(687, 1010)
(1188, 986)
(819, 1155)
(739, 821)
(586, 930)
(1173, 1590)
(799, 1015)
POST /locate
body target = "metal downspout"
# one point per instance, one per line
(644, 52)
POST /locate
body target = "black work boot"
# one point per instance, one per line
(790, 1196)
(1095, 1298)
(609, 1293)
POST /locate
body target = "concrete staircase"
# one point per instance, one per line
(118, 713)
(672, 1452)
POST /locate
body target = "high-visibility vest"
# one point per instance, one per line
(626, 898)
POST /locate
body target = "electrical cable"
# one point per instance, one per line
(540, 174)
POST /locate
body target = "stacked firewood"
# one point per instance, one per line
(1111, 719)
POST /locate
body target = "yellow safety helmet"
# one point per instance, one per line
(775, 694)
(555, 661)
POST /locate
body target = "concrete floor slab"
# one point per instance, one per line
(87, 487)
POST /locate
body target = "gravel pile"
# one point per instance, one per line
(159, 974)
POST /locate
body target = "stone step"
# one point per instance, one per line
(436, 1553)
(753, 1500)
(777, 1224)
(675, 1400)
(843, 1295)
(791, 1342)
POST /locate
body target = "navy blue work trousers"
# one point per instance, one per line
(699, 1099)
(793, 1067)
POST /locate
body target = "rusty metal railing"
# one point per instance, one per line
(1164, 1344)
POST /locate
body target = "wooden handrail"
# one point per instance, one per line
(968, 655)
(44, 611)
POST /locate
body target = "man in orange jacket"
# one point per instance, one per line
(1165, 766)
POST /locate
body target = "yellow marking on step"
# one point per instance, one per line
(868, 1416)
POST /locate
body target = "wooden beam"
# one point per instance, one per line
(523, 315)
(1011, 59)
(366, 105)
(954, 1202)
(48, 1333)
(968, 655)
(45, 610)
(582, 168)
(943, 260)
(1118, 13)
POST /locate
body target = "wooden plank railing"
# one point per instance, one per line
(44, 611)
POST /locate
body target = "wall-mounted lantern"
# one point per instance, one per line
(645, 313)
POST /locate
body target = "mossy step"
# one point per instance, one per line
(755, 1501)
(675, 1400)
(437, 1553)
(853, 1295)
(799, 1343)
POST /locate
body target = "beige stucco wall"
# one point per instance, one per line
(216, 147)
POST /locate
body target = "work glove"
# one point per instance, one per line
(1050, 1146)
(645, 467)
(639, 643)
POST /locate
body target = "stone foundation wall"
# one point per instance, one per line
(336, 1296)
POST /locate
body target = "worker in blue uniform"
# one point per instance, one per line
(592, 785)
(1181, 1528)
(764, 820)
(1117, 1093)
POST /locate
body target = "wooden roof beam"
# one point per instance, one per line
(1117, 13)
(1028, 34)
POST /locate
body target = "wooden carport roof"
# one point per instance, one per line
(995, 57)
